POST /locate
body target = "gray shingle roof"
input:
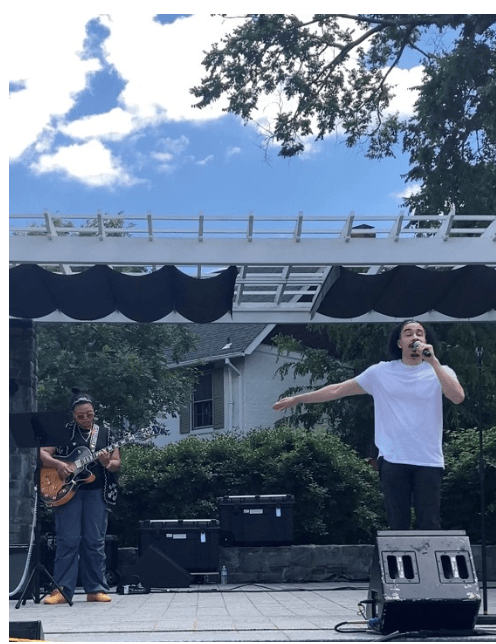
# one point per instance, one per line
(217, 341)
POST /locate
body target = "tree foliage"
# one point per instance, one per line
(334, 71)
(124, 366)
(451, 140)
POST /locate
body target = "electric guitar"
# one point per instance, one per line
(55, 491)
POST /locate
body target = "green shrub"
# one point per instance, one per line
(461, 500)
(337, 498)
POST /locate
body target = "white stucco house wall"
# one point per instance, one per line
(239, 384)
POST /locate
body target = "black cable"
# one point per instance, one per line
(221, 588)
(438, 633)
(350, 630)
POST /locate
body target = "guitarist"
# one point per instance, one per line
(81, 524)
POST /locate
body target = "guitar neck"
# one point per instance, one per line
(93, 456)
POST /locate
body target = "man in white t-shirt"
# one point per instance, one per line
(407, 394)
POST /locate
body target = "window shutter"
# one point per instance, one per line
(218, 398)
(185, 419)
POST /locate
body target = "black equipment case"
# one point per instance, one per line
(257, 520)
(193, 544)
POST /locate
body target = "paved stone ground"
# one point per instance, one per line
(212, 613)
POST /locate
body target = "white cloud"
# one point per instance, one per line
(175, 146)
(163, 157)
(232, 151)
(206, 160)
(405, 82)
(113, 125)
(45, 57)
(170, 154)
(90, 163)
(160, 63)
(408, 191)
(165, 161)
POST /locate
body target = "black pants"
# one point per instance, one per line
(401, 484)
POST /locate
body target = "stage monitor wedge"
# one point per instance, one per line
(26, 631)
(423, 580)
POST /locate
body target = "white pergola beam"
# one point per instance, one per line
(121, 251)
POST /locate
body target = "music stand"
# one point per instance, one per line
(38, 429)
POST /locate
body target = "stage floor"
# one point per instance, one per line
(305, 612)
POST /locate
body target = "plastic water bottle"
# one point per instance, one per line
(223, 575)
(375, 624)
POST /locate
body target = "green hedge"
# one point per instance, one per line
(337, 497)
(461, 499)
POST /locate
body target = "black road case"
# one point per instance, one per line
(193, 544)
(256, 520)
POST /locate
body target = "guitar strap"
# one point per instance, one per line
(94, 437)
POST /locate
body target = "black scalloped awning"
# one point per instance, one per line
(99, 291)
(409, 291)
(403, 292)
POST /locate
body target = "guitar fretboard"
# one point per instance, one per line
(84, 460)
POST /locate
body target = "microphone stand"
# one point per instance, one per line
(478, 352)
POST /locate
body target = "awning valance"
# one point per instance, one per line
(410, 291)
(100, 290)
(94, 294)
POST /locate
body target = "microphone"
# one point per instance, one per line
(425, 352)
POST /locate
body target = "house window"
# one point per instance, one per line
(203, 402)
(206, 408)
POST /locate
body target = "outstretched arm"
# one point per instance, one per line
(329, 392)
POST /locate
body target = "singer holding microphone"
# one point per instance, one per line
(407, 392)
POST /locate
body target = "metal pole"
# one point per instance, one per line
(478, 352)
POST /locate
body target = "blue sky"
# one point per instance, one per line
(102, 119)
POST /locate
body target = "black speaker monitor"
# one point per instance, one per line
(26, 631)
(156, 570)
(423, 580)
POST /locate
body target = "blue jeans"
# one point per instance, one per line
(80, 526)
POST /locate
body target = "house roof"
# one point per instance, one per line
(229, 340)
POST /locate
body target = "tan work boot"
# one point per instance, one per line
(98, 597)
(55, 597)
